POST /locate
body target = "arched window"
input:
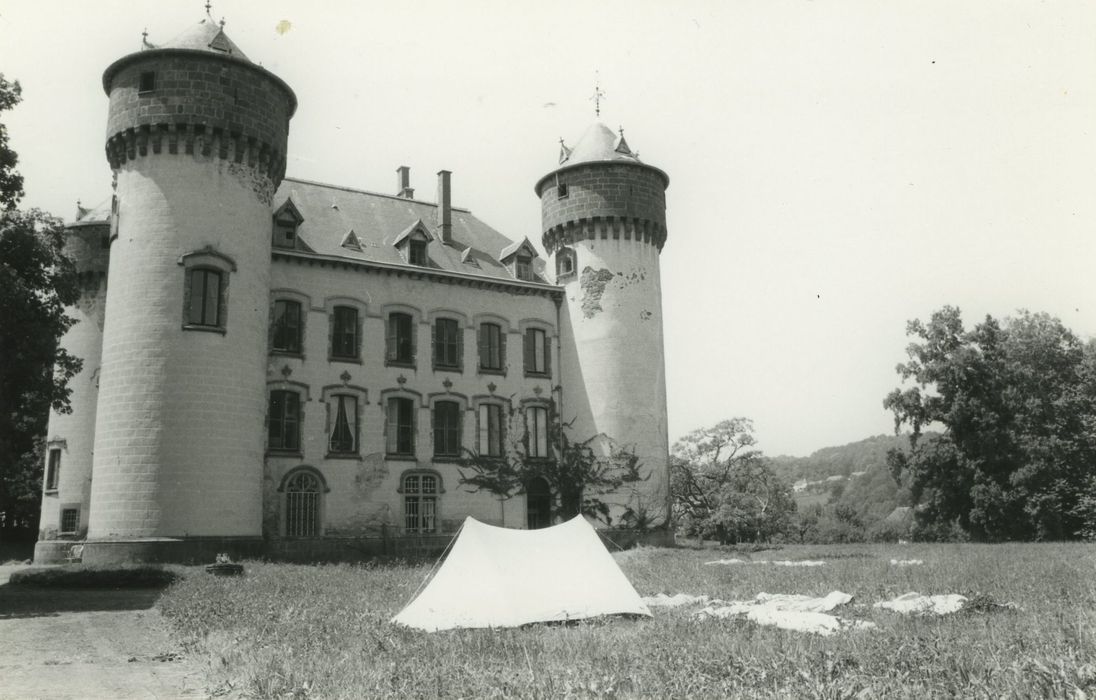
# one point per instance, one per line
(420, 503)
(302, 505)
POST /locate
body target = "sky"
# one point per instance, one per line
(837, 168)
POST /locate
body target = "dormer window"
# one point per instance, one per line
(523, 268)
(147, 82)
(286, 221)
(412, 244)
(416, 252)
(518, 259)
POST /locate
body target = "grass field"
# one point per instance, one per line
(298, 631)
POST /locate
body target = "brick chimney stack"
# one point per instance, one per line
(445, 213)
(403, 183)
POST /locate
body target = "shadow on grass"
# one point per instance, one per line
(22, 601)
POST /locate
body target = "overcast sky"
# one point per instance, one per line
(837, 168)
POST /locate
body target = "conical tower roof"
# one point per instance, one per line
(206, 35)
(599, 143)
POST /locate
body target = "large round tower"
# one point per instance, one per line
(603, 213)
(66, 484)
(196, 137)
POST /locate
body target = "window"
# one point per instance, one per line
(147, 82)
(416, 252)
(536, 431)
(287, 326)
(523, 268)
(492, 347)
(538, 504)
(447, 344)
(401, 339)
(53, 469)
(284, 426)
(302, 505)
(205, 297)
(400, 436)
(344, 333)
(344, 424)
(447, 428)
(490, 430)
(70, 520)
(565, 262)
(420, 501)
(537, 352)
(286, 222)
(561, 189)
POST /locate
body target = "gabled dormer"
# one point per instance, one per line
(412, 244)
(518, 259)
(287, 219)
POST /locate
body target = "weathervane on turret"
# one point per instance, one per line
(598, 93)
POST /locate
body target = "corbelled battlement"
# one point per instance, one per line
(180, 101)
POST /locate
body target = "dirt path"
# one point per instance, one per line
(88, 644)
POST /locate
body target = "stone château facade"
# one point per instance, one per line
(282, 367)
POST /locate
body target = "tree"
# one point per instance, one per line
(578, 473)
(724, 489)
(1018, 404)
(37, 281)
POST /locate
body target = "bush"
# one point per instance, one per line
(77, 576)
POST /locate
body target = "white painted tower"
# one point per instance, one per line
(197, 141)
(603, 215)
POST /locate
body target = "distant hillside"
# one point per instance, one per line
(853, 475)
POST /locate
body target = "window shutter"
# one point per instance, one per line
(434, 342)
(502, 348)
(547, 354)
(332, 337)
(460, 346)
(483, 345)
(481, 429)
(390, 421)
(390, 341)
(358, 321)
(530, 348)
(413, 330)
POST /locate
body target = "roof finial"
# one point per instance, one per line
(620, 130)
(598, 93)
(222, 23)
(209, 8)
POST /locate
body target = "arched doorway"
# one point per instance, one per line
(538, 504)
(302, 505)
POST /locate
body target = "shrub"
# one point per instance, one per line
(77, 576)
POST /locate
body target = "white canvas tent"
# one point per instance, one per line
(498, 577)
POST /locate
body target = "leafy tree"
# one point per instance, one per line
(578, 473)
(37, 281)
(724, 489)
(1018, 404)
(11, 182)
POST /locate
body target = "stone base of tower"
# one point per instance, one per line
(171, 550)
(53, 551)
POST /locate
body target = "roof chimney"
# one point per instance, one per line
(403, 183)
(445, 213)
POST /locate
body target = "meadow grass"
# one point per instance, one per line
(302, 631)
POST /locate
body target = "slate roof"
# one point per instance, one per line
(599, 143)
(207, 35)
(379, 221)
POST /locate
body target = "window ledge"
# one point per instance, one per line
(204, 329)
(487, 370)
(446, 459)
(401, 458)
(449, 368)
(399, 363)
(285, 453)
(51, 492)
(343, 455)
(348, 360)
(287, 353)
(538, 375)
